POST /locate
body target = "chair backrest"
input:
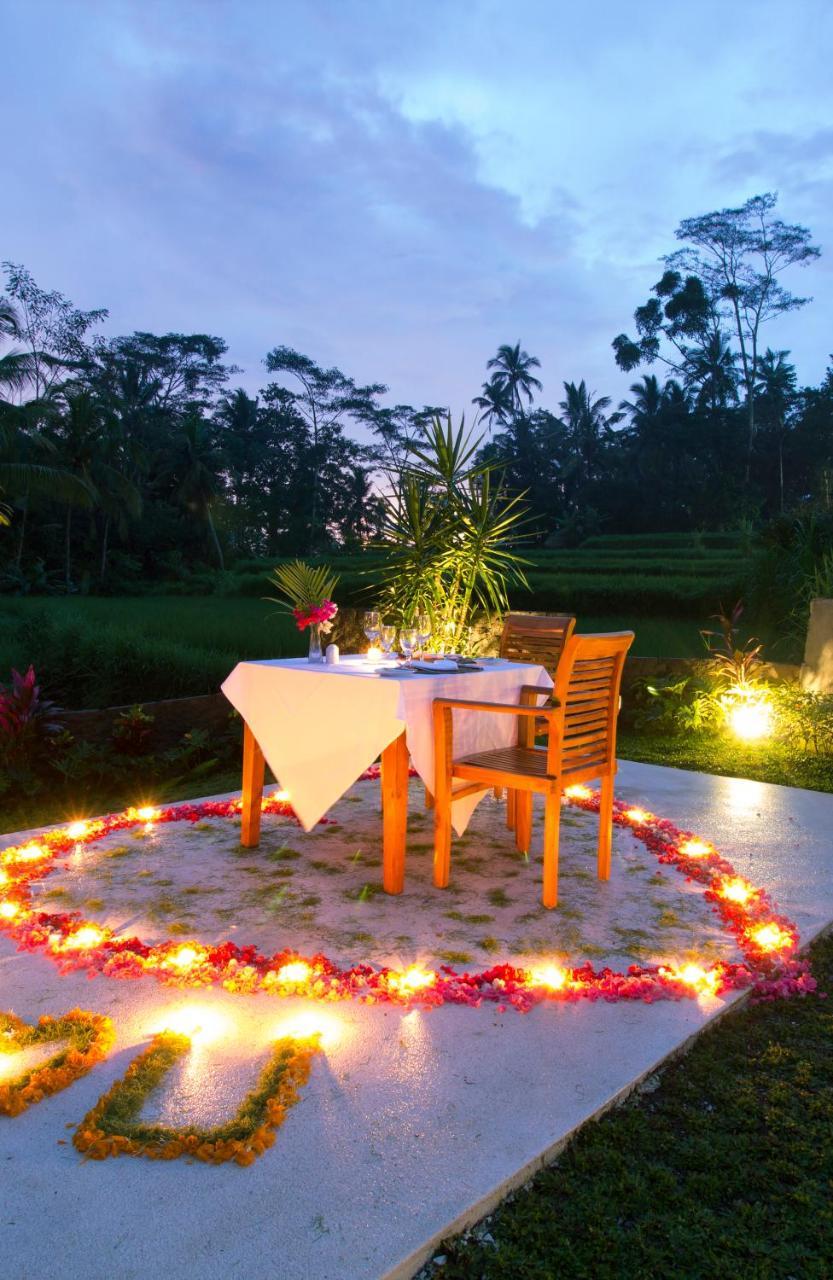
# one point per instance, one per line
(536, 637)
(587, 686)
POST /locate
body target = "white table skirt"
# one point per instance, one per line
(320, 726)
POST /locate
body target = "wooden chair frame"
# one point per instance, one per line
(580, 720)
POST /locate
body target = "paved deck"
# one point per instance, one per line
(413, 1126)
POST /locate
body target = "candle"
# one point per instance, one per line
(332, 654)
(374, 653)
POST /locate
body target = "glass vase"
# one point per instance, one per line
(315, 654)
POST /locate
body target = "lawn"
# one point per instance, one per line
(98, 651)
(723, 1170)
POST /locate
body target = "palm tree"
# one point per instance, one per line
(494, 402)
(776, 392)
(588, 429)
(513, 373)
(711, 373)
(199, 471)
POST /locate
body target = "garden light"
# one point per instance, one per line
(282, 796)
(311, 1025)
(9, 910)
(748, 714)
(638, 816)
(77, 830)
(28, 853)
(184, 958)
(85, 937)
(578, 792)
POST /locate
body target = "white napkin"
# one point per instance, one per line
(442, 664)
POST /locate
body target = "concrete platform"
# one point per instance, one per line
(414, 1125)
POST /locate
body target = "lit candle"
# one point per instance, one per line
(374, 654)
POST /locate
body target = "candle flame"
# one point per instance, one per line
(549, 975)
(77, 830)
(85, 937)
(695, 848)
(8, 910)
(771, 937)
(737, 890)
(295, 971)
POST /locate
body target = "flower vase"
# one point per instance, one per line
(315, 654)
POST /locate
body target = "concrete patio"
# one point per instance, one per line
(413, 1124)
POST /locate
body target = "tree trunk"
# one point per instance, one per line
(214, 537)
(18, 560)
(105, 537)
(68, 550)
(781, 470)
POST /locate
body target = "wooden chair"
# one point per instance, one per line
(582, 745)
(536, 637)
(533, 637)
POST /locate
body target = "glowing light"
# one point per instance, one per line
(578, 792)
(295, 971)
(27, 853)
(4, 879)
(87, 936)
(638, 816)
(283, 796)
(147, 813)
(77, 830)
(771, 937)
(748, 713)
(374, 654)
(9, 910)
(695, 849)
(184, 958)
(737, 890)
(550, 976)
(415, 978)
(309, 1024)
(202, 1024)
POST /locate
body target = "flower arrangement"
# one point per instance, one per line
(305, 592)
(114, 1127)
(768, 941)
(86, 1038)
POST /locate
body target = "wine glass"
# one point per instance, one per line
(371, 624)
(387, 635)
(408, 639)
(422, 623)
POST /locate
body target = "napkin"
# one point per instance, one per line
(441, 664)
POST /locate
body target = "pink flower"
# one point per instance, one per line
(321, 615)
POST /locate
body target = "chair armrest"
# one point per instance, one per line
(508, 708)
(537, 690)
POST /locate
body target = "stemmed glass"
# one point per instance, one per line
(387, 635)
(372, 622)
(408, 641)
(422, 624)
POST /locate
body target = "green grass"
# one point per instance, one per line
(724, 1171)
(711, 753)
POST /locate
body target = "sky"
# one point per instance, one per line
(396, 188)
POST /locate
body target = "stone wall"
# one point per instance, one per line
(817, 671)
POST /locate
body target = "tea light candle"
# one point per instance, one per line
(374, 653)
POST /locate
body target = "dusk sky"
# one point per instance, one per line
(398, 187)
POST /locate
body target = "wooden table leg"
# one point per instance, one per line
(394, 814)
(253, 771)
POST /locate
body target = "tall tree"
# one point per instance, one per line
(513, 374)
(53, 332)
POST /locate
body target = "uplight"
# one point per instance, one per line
(85, 937)
(638, 816)
(748, 714)
(77, 830)
(695, 849)
(771, 937)
(184, 958)
(200, 1023)
(415, 978)
(550, 976)
(147, 813)
(295, 971)
(310, 1025)
(578, 792)
(9, 910)
(736, 890)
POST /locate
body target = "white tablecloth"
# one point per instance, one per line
(320, 726)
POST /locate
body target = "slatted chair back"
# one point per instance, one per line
(536, 637)
(582, 743)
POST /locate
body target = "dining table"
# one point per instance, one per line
(319, 726)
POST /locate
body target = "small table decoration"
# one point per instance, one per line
(306, 592)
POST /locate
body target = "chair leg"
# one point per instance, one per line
(605, 827)
(523, 820)
(552, 820)
(497, 792)
(510, 808)
(442, 840)
(429, 799)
